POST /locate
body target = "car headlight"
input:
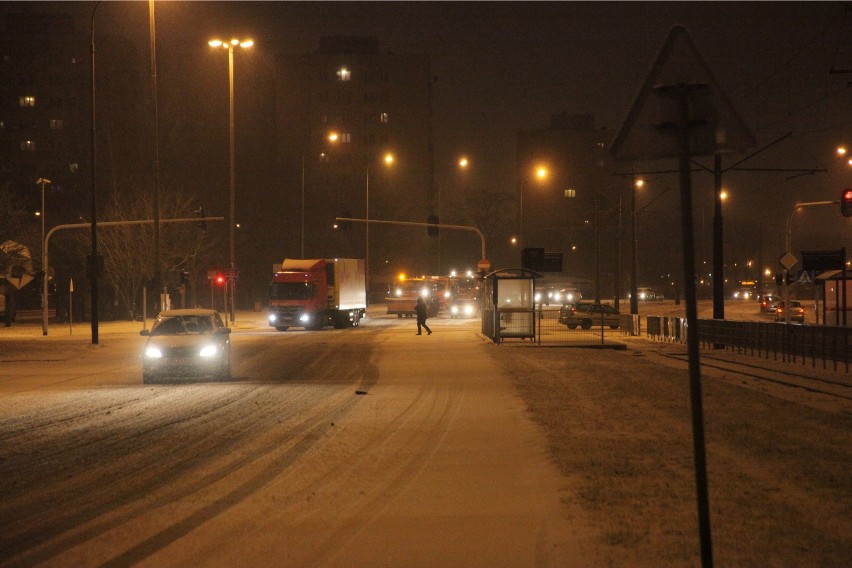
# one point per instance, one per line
(273, 318)
(446, 294)
(468, 310)
(304, 318)
(208, 351)
(537, 297)
(454, 309)
(153, 352)
(569, 297)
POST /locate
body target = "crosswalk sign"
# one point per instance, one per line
(805, 277)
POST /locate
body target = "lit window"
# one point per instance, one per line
(344, 74)
(346, 137)
(28, 145)
(74, 168)
(56, 124)
(27, 101)
(383, 118)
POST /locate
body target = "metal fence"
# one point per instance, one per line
(790, 343)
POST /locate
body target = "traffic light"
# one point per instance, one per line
(846, 202)
(202, 222)
(779, 279)
(220, 279)
(432, 229)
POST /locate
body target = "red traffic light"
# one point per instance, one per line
(220, 279)
(846, 203)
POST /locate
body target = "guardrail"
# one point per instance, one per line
(790, 343)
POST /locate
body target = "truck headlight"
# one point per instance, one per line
(468, 310)
(304, 318)
(454, 309)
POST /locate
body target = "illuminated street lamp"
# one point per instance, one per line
(634, 269)
(230, 45)
(540, 172)
(388, 159)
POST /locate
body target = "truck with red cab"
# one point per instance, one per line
(315, 293)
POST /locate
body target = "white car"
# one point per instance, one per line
(186, 343)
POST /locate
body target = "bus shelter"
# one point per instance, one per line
(508, 309)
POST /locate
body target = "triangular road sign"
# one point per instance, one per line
(715, 127)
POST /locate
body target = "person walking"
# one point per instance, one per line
(422, 313)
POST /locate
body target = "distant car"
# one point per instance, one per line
(587, 314)
(745, 294)
(648, 295)
(797, 311)
(186, 343)
(464, 307)
(558, 296)
(769, 303)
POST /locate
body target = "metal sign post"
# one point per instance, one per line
(681, 112)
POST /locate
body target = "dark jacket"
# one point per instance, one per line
(421, 309)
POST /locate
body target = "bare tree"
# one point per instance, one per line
(128, 250)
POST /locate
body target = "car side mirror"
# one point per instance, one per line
(145, 332)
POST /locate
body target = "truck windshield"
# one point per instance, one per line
(292, 291)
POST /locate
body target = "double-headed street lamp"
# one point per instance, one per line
(230, 45)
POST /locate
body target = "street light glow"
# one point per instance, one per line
(640, 183)
(463, 162)
(389, 158)
(541, 172)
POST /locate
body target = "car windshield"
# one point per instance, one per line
(182, 325)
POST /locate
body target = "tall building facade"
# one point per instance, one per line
(354, 128)
(44, 110)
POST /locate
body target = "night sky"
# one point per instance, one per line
(504, 67)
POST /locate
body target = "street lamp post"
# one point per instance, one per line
(94, 265)
(389, 160)
(718, 255)
(42, 182)
(230, 45)
(634, 258)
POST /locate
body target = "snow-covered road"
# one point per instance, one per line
(361, 447)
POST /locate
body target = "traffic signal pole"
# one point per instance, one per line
(101, 224)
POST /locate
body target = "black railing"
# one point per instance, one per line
(791, 343)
